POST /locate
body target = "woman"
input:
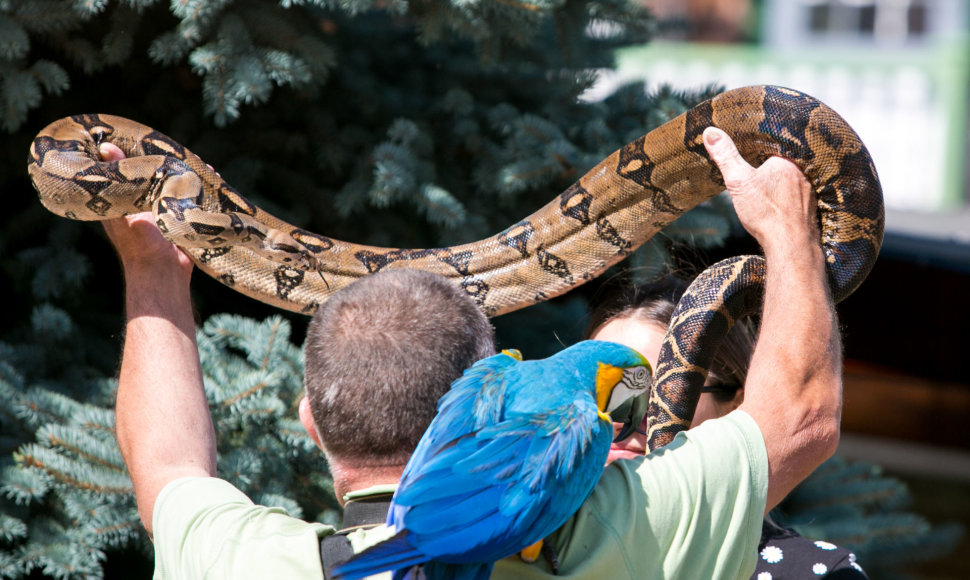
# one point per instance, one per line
(638, 318)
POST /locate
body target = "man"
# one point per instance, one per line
(692, 510)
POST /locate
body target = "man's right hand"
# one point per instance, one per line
(140, 245)
(775, 202)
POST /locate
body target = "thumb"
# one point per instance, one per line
(725, 155)
(110, 152)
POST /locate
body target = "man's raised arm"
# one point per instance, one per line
(163, 423)
(794, 385)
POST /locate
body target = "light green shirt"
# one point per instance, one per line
(206, 528)
(691, 510)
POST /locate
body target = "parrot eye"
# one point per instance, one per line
(641, 377)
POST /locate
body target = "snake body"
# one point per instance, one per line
(609, 212)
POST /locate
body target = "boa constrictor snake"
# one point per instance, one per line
(613, 209)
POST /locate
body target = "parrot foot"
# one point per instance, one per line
(531, 554)
(550, 555)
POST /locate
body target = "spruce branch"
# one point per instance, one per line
(24, 486)
(11, 529)
(14, 42)
(74, 473)
(73, 442)
(19, 92)
(440, 207)
(44, 17)
(88, 8)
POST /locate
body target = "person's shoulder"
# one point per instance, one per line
(737, 421)
(198, 490)
(206, 526)
(721, 440)
(192, 501)
(718, 460)
(735, 431)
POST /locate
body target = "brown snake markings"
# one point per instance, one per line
(609, 212)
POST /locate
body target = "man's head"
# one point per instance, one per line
(379, 355)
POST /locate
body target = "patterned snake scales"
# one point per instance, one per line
(596, 222)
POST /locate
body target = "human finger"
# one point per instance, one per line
(725, 155)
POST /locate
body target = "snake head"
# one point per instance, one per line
(310, 262)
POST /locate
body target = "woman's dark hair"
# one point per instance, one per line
(655, 302)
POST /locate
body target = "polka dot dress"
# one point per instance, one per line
(784, 555)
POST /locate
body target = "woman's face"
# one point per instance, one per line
(646, 337)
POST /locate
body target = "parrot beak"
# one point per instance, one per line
(630, 413)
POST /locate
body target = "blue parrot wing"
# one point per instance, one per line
(506, 486)
(461, 410)
(456, 418)
(560, 468)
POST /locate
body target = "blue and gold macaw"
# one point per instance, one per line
(515, 449)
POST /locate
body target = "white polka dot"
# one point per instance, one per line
(772, 554)
(825, 545)
(857, 567)
(764, 576)
(820, 569)
(851, 557)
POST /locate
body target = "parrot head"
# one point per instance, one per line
(622, 383)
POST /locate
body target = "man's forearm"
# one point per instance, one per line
(795, 374)
(163, 422)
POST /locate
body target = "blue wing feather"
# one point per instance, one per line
(520, 484)
(457, 409)
(394, 552)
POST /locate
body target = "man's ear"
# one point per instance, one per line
(306, 417)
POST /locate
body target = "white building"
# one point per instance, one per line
(897, 70)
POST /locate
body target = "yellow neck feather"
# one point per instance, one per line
(606, 378)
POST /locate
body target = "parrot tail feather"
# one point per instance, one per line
(391, 554)
(471, 571)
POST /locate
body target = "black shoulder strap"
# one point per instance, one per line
(335, 549)
(371, 511)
